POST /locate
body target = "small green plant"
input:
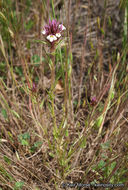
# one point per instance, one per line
(24, 139)
(4, 113)
(35, 146)
(18, 185)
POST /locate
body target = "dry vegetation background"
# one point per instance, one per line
(79, 132)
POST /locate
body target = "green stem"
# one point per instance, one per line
(53, 67)
(53, 81)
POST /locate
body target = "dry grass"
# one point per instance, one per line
(72, 131)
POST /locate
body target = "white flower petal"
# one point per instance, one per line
(55, 38)
(51, 38)
(58, 35)
(63, 27)
(43, 32)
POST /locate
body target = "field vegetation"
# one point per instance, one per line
(63, 99)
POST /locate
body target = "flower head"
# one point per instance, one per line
(52, 31)
(34, 87)
(93, 100)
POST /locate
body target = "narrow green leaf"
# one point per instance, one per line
(6, 159)
(83, 144)
(15, 113)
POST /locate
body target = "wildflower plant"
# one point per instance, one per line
(53, 32)
(93, 100)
